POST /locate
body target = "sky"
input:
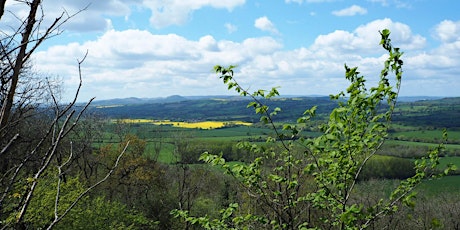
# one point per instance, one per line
(158, 48)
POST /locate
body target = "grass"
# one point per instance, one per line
(401, 127)
(428, 134)
(445, 161)
(150, 132)
(447, 184)
(423, 144)
(166, 154)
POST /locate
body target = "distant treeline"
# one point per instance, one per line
(442, 113)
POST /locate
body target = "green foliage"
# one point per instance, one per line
(41, 209)
(387, 167)
(90, 213)
(138, 183)
(98, 213)
(313, 187)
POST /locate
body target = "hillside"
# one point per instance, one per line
(432, 113)
(216, 108)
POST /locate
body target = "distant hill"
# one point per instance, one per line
(206, 108)
(135, 100)
(417, 111)
(417, 98)
(178, 98)
(441, 113)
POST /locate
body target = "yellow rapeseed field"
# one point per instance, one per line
(191, 125)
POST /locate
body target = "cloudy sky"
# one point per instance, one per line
(157, 48)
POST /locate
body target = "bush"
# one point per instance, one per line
(387, 167)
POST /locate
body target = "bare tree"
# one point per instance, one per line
(32, 136)
(2, 7)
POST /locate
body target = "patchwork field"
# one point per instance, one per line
(189, 125)
(413, 133)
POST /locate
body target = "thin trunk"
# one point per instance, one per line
(18, 65)
(2, 7)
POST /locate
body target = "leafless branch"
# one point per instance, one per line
(63, 131)
(9, 143)
(2, 7)
(84, 193)
(58, 188)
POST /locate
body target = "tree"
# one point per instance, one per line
(298, 182)
(35, 128)
(90, 213)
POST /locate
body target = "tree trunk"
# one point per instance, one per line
(18, 65)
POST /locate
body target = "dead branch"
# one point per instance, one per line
(84, 193)
(51, 152)
(9, 143)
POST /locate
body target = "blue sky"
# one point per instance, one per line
(155, 48)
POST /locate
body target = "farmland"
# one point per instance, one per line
(189, 125)
(174, 134)
(226, 119)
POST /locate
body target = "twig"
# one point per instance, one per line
(9, 143)
(57, 219)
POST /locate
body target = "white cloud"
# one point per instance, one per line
(230, 28)
(295, 1)
(92, 15)
(307, 1)
(447, 31)
(439, 67)
(91, 18)
(396, 3)
(264, 24)
(350, 11)
(382, 2)
(363, 39)
(141, 64)
(177, 12)
(433, 72)
(94, 18)
(263, 45)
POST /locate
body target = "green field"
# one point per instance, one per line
(415, 131)
(422, 144)
(448, 184)
(411, 135)
(430, 136)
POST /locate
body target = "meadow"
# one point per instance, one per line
(176, 134)
(210, 133)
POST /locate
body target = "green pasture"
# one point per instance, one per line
(152, 133)
(166, 154)
(445, 161)
(447, 184)
(166, 133)
(428, 135)
(421, 144)
(237, 132)
(396, 127)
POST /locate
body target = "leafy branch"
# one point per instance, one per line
(290, 186)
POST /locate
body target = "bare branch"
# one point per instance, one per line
(8, 103)
(84, 193)
(9, 143)
(63, 131)
(2, 7)
(24, 53)
(58, 188)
